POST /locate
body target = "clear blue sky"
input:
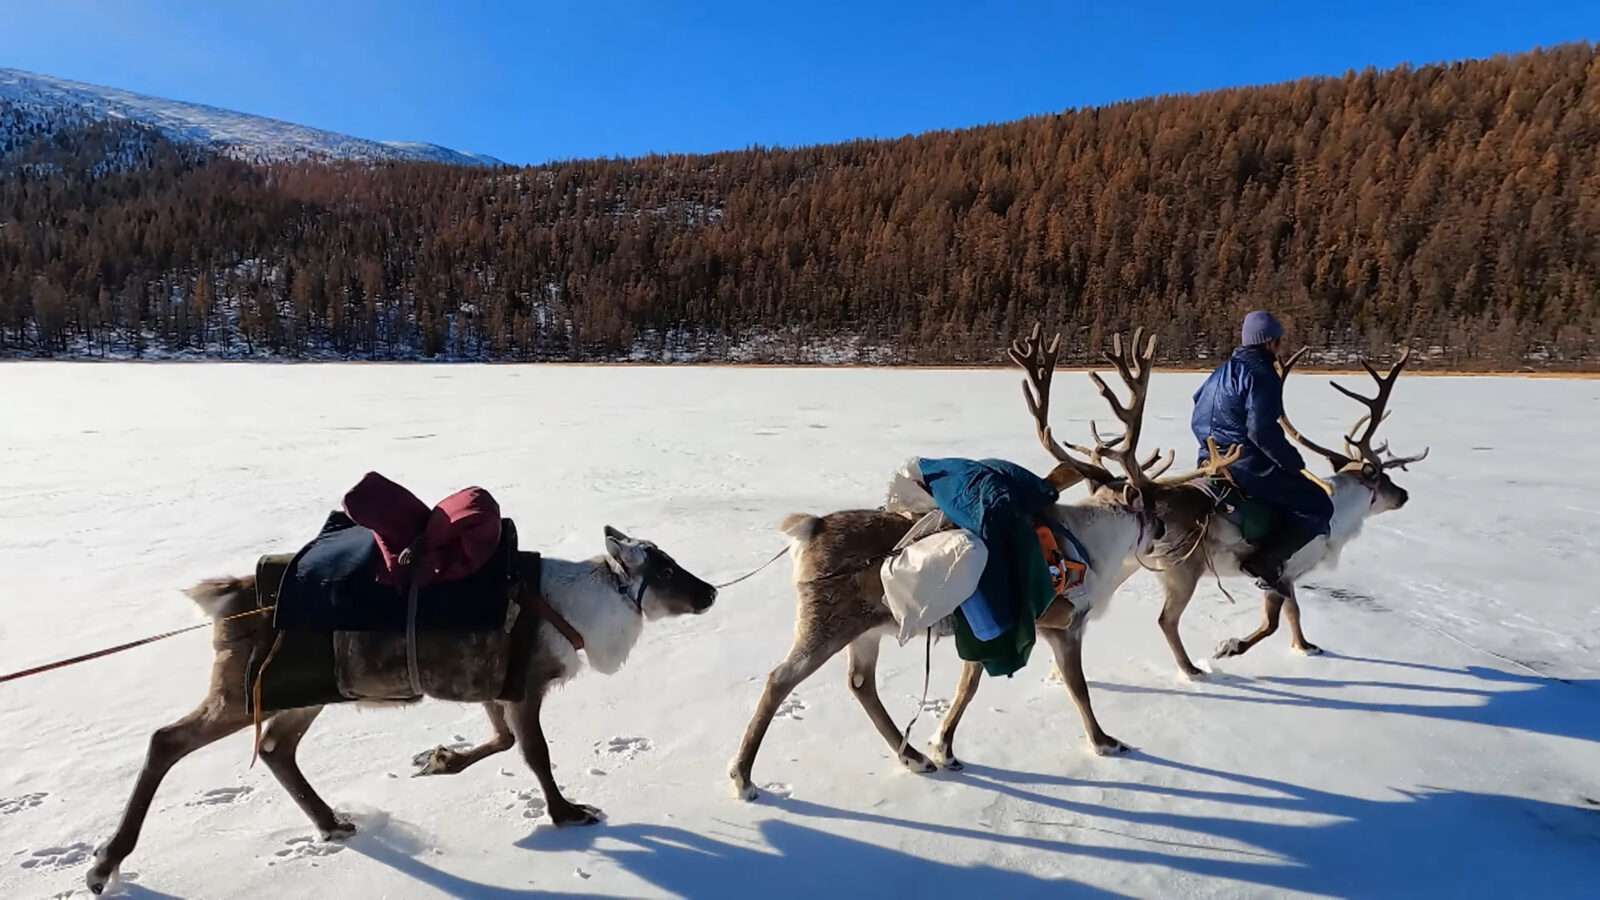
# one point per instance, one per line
(532, 81)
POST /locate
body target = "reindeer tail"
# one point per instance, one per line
(219, 597)
(800, 526)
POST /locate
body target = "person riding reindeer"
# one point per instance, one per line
(1240, 404)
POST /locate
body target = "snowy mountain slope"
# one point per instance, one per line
(1446, 745)
(48, 103)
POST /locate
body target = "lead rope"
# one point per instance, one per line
(927, 669)
(751, 574)
(63, 663)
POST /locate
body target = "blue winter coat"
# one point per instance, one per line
(1240, 404)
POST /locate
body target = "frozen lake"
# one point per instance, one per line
(1448, 743)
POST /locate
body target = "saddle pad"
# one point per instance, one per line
(331, 586)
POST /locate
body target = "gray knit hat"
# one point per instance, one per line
(1260, 327)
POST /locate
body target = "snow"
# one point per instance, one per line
(58, 102)
(1446, 745)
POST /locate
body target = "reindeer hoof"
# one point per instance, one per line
(916, 762)
(944, 758)
(438, 761)
(1310, 649)
(341, 829)
(1231, 647)
(1195, 673)
(1107, 745)
(100, 874)
(745, 791)
(575, 814)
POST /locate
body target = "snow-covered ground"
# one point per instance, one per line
(1447, 745)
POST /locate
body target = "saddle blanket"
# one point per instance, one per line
(332, 585)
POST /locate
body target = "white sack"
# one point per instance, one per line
(931, 577)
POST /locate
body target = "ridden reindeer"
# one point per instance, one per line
(1360, 488)
(840, 591)
(603, 601)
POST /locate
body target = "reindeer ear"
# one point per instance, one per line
(624, 550)
(1131, 495)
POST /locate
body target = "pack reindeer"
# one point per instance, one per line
(1360, 489)
(840, 594)
(599, 604)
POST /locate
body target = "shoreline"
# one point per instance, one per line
(1185, 369)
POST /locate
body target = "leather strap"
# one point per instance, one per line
(534, 598)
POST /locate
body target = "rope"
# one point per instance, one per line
(1138, 553)
(63, 663)
(927, 670)
(108, 651)
(751, 574)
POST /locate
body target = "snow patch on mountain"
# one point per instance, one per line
(43, 104)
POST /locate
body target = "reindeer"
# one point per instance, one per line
(839, 590)
(1360, 488)
(603, 601)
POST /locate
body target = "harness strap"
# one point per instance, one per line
(528, 566)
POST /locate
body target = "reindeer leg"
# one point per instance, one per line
(1272, 602)
(863, 679)
(942, 749)
(1067, 643)
(1178, 584)
(279, 743)
(214, 720)
(805, 657)
(442, 760)
(524, 720)
(1297, 638)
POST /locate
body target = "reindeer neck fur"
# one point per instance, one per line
(1352, 504)
(1111, 536)
(585, 593)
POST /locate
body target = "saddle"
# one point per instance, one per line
(1255, 520)
(421, 546)
(393, 601)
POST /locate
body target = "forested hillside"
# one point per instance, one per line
(1455, 208)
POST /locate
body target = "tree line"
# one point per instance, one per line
(1453, 208)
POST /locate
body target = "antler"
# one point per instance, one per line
(1368, 424)
(1215, 466)
(1377, 411)
(1039, 363)
(1335, 458)
(1134, 367)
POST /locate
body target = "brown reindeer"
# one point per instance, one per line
(1360, 488)
(604, 600)
(839, 592)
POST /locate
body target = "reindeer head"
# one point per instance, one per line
(661, 587)
(1366, 464)
(1140, 488)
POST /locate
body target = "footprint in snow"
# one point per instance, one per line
(307, 848)
(222, 796)
(53, 858)
(791, 708)
(10, 806)
(936, 705)
(779, 789)
(531, 800)
(624, 747)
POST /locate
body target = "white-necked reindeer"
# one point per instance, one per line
(603, 601)
(1360, 488)
(840, 592)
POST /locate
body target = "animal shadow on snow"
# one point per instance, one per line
(1537, 704)
(793, 860)
(1429, 843)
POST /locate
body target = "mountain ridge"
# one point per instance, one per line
(61, 102)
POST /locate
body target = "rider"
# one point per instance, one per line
(1240, 404)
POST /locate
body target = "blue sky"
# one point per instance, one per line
(531, 81)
